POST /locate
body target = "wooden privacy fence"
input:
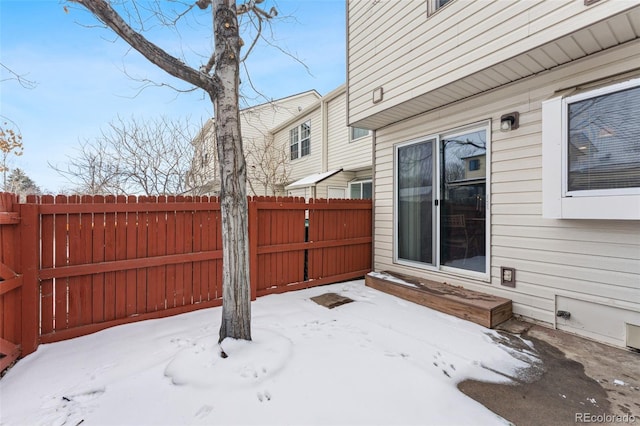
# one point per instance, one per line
(10, 282)
(74, 265)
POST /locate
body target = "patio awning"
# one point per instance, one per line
(312, 180)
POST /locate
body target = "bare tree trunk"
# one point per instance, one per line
(222, 87)
(236, 299)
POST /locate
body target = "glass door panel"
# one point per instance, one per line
(463, 194)
(415, 202)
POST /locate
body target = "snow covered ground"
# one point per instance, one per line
(379, 360)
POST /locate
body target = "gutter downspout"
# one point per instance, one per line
(324, 123)
(373, 200)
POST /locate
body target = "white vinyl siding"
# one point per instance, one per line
(339, 180)
(255, 123)
(391, 46)
(342, 152)
(309, 164)
(591, 260)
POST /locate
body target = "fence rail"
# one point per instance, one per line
(10, 282)
(85, 263)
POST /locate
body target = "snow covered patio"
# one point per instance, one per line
(377, 360)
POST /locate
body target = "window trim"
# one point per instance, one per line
(294, 131)
(361, 182)
(437, 138)
(557, 201)
(432, 6)
(352, 138)
(565, 141)
(299, 141)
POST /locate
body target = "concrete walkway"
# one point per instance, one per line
(580, 381)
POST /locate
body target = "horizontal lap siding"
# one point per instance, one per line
(462, 38)
(342, 152)
(339, 180)
(256, 122)
(592, 260)
(304, 166)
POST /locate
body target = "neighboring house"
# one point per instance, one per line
(327, 158)
(267, 164)
(296, 146)
(507, 151)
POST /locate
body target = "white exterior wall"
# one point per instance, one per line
(342, 152)
(309, 164)
(339, 180)
(255, 123)
(589, 267)
(331, 148)
(391, 46)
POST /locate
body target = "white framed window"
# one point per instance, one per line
(294, 142)
(362, 189)
(357, 133)
(300, 140)
(591, 154)
(305, 138)
(435, 5)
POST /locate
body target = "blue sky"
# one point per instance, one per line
(81, 84)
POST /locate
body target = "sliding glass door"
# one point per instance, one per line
(462, 207)
(441, 193)
(415, 202)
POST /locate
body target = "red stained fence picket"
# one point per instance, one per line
(10, 281)
(73, 265)
(301, 245)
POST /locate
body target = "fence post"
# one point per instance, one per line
(253, 247)
(29, 236)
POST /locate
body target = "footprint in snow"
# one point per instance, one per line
(264, 396)
(397, 354)
(204, 411)
(70, 408)
(249, 372)
(84, 396)
(440, 362)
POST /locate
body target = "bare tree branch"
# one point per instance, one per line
(105, 13)
(134, 156)
(24, 82)
(223, 89)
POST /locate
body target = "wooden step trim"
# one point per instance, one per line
(480, 308)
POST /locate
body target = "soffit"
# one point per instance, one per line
(603, 35)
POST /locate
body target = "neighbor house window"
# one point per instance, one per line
(360, 189)
(357, 133)
(300, 140)
(294, 138)
(594, 172)
(305, 138)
